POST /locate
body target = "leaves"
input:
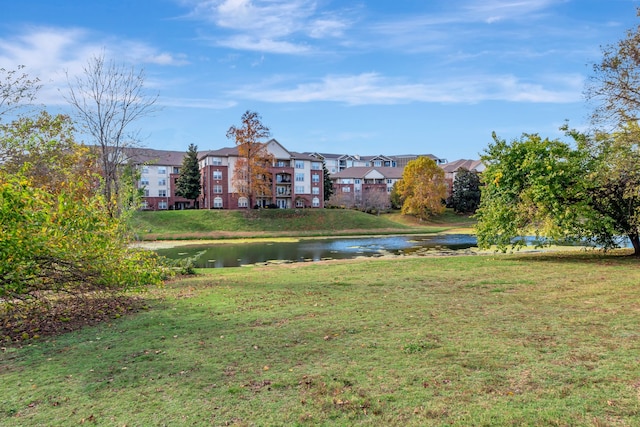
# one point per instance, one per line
(422, 188)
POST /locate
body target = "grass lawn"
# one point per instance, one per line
(221, 224)
(528, 339)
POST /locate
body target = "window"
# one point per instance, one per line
(144, 182)
(162, 193)
(377, 163)
(217, 174)
(315, 202)
(145, 169)
(299, 164)
(216, 161)
(299, 203)
(316, 166)
(162, 204)
(243, 202)
(146, 193)
(357, 181)
(217, 189)
(176, 170)
(389, 181)
(299, 189)
(346, 189)
(145, 204)
(282, 164)
(315, 190)
(315, 177)
(217, 202)
(162, 170)
(162, 182)
(300, 177)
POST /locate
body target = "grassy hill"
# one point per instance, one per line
(218, 224)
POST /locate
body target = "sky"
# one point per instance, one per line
(361, 77)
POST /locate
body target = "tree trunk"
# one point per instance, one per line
(635, 241)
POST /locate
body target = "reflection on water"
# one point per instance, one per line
(235, 255)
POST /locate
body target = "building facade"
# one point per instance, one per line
(296, 180)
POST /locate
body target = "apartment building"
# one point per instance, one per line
(336, 163)
(356, 185)
(159, 170)
(451, 170)
(296, 180)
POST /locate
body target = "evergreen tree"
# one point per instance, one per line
(327, 183)
(188, 184)
(465, 197)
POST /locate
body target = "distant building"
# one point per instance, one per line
(296, 180)
(451, 169)
(159, 170)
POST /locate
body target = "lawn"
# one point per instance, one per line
(217, 224)
(526, 339)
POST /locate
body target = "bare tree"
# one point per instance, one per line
(16, 89)
(108, 97)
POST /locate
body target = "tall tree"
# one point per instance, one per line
(16, 89)
(327, 184)
(422, 188)
(251, 178)
(465, 194)
(108, 98)
(189, 183)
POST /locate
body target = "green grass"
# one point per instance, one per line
(529, 339)
(202, 224)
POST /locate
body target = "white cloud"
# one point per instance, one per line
(374, 89)
(275, 26)
(51, 53)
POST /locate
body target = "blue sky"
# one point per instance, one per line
(358, 77)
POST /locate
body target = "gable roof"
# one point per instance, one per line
(362, 172)
(470, 165)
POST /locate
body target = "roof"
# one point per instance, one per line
(362, 171)
(470, 165)
(155, 157)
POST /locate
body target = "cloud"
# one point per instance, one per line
(52, 53)
(374, 89)
(275, 26)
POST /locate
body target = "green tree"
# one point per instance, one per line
(56, 235)
(558, 193)
(465, 194)
(394, 197)
(422, 188)
(326, 182)
(189, 183)
(252, 169)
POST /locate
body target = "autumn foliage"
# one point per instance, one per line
(422, 188)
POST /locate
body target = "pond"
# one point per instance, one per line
(309, 250)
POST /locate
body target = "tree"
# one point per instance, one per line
(422, 188)
(251, 178)
(465, 195)
(189, 184)
(327, 184)
(394, 198)
(16, 89)
(43, 149)
(59, 237)
(615, 83)
(557, 193)
(108, 98)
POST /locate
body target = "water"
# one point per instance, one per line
(235, 255)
